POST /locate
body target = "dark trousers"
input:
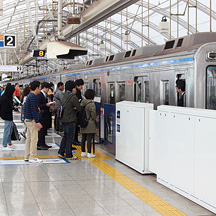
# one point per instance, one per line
(66, 143)
(49, 125)
(76, 133)
(89, 137)
(57, 124)
(42, 133)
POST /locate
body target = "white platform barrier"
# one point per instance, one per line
(132, 141)
(182, 145)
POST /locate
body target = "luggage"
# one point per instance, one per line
(15, 134)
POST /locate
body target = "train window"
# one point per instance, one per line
(169, 44)
(146, 87)
(134, 53)
(127, 54)
(90, 62)
(211, 88)
(107, 58)
(121, 91)
(139, 91)
(85, 87)
(180, 41)
(97, 87)
(111, 57)
(164, 92)
(109, 128)
(111, 93)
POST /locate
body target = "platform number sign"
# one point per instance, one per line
(7, 41)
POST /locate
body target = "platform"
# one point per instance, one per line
(100, 186)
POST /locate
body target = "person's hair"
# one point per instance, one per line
(181, 85)
(89, 94)
(16, 84)
(9, 90)
(20, 85)
(70, 85)
(26, 91)
(45, 85)
(34, 85)
(79, 82)
(60, 84)
(51, 84)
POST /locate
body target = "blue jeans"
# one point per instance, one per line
(7, 133)
(66, 143)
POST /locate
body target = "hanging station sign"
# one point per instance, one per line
(10, 68)
(8, 41)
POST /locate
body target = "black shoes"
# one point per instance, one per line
(42, 147)
(47, 146)
(76, 142)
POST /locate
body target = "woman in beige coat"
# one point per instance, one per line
(88, 133)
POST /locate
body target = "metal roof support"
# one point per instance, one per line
(30, 18)
(59, 17)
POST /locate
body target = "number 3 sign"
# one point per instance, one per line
(7, 41)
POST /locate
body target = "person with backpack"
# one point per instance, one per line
(89, 131)
(7, 115)
(71, 106)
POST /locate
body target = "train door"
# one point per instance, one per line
(120, 92)
(111, 93)
(211, 88)
(164, 92)
(141, 89)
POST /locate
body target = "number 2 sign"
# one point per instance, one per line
(7, 41)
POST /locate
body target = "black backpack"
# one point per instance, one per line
(82, 118)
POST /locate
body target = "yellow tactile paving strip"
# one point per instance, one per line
(146, 196)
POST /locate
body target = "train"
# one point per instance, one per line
(149, 74)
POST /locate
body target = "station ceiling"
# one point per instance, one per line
(140, 20)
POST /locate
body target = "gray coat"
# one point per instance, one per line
(90, 111)
(58, 98)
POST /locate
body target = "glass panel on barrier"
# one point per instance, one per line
(109, 128)
(211, 88)
(111, 93)
(121, 91)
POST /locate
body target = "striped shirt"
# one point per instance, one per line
(31, 107)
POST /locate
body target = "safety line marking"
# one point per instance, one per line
(142, 193)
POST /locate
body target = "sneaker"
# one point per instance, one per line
(84, 154)
(7, 148)
(36, 160)
(11, 146)
(61, 156)
(90, 155)
(72, 158)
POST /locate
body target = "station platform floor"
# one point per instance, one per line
(85, 187)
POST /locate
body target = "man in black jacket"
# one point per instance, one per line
(180, 84)
(7, 115)
(43, 116)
